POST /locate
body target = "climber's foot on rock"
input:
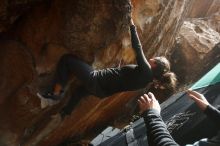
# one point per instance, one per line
(48, 99)
(52, 96)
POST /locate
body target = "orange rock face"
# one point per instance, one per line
(97, 31)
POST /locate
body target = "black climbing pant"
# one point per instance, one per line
(68, 65)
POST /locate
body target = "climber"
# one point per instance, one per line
(105, 82)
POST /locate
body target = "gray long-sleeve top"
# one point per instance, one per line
(160, 136)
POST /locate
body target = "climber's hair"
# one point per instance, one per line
(168, 81)
(163, 66)
(162, 73)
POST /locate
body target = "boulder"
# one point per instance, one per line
(97, 31)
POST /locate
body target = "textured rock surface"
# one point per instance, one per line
(10, 11)
(207, 10)
(36, 34)
(204, 8)
(196, 40)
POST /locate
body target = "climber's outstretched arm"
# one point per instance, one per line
(136, 45)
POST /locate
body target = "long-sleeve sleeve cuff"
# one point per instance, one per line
(213, 114)
(150, 111)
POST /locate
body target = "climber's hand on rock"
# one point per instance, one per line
(129, 7)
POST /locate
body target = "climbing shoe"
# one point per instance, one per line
(52, 96)
(46, 101)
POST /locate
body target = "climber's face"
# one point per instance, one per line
(152, 63)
